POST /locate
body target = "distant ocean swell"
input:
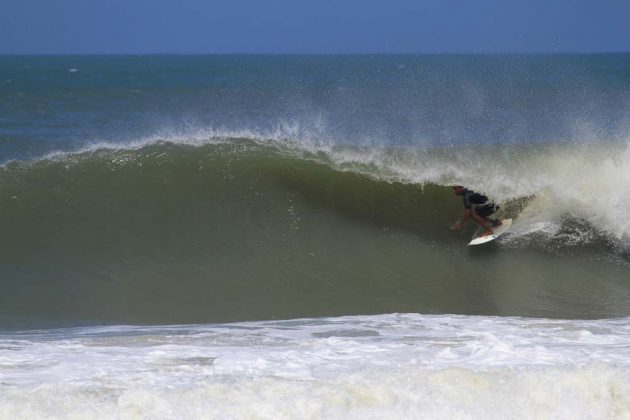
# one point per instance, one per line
(227, 220)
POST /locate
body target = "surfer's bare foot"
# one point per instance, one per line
(486, 233)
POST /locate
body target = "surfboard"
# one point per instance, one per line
(498, 231)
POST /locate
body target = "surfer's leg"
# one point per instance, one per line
(484, 223)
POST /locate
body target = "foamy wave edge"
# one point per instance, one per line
(397, 365)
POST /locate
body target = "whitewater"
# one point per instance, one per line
(399, 365)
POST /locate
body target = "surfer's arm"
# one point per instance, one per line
(467, 215)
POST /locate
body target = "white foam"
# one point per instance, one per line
(396, 366)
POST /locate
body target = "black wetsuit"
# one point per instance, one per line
(479, 203)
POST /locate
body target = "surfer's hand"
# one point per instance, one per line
(456, 226)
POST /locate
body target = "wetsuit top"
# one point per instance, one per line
(473, 199)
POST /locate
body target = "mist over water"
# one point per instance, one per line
(374, 100)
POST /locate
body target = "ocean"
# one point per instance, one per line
(248, 236)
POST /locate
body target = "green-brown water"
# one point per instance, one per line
(238, 230)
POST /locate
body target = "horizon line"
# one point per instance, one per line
(3, 54)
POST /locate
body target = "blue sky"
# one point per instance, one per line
(317, 26)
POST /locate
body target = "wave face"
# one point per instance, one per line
(241, 229)
(228, 188)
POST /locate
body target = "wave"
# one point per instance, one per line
(211, 220)
(546, 187)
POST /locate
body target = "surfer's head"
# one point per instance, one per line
(458, 189)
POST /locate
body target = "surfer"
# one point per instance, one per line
(477, 207)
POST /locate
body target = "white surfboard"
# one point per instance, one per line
(498, 231)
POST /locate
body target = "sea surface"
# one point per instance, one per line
(268, 237)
